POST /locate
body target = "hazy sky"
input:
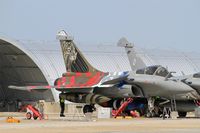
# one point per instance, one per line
(149, 23)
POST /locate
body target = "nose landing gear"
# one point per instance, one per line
(151, 107)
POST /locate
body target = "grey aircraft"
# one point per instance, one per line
(82, 83)
(183, 103)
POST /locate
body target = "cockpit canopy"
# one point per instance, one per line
(153, 70)
(196, 75)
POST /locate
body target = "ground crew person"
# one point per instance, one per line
(62, 106)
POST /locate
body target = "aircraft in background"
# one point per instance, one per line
(182, 105)
(82, 83)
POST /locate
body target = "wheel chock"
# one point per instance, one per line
(12, 120)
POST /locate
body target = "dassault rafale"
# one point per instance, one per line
(82, 83)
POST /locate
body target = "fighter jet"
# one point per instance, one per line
(184, 102)
(82, 83)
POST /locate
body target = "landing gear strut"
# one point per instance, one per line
(151, 107)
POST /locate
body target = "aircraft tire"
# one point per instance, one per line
(28, 115)
(87, 109)
(35, 117)
(182, 114)
(150, 114)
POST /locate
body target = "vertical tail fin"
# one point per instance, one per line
(135, 61)
(73, 58)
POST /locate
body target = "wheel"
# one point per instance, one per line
(182, 114)
(35, 117)
(28, 115)
(88, 108)
(150, 114)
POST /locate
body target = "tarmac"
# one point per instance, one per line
(131, 125)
